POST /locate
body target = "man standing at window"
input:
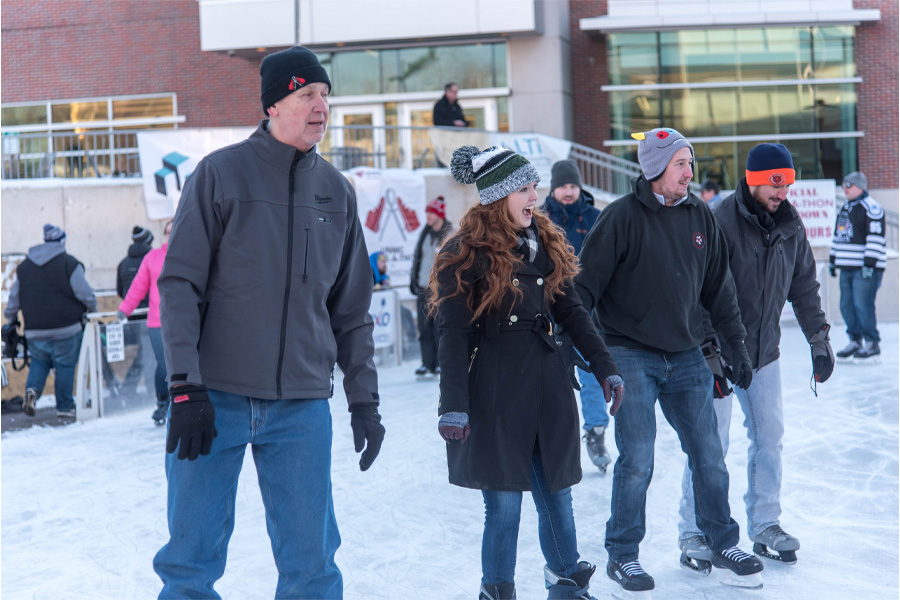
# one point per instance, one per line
(447, 111)
(857, 249)
(266, 285)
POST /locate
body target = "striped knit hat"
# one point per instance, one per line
(140, 235)
(496, 172)
(52, 233)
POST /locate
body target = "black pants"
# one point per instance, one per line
(428, 334)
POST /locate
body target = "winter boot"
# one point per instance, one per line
(775, 543)
(498, 591)
(869, 354)
(737, 568)
(596, 448)
(31, 397)
(575, 586)
(695, 554)
(162, 409)
(849, 350)
(634, 581)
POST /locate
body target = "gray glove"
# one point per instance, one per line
(822, 354)
(454, 427)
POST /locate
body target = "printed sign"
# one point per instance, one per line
(115, 342)
(814, 200)
(382, 310)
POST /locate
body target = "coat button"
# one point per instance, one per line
(540, 281)
(513, 319)
(515, 282)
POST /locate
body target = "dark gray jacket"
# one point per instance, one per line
(769, 268)
(266, 282)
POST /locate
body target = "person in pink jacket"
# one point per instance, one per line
(144, 282)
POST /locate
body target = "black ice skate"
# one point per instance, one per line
(776, 544)
(574, 587)
(736, 568)
(498, 591)
(634, 582)
(596, 448)
(868, 354)
(695, 555)
(846, 355)
(162, 409)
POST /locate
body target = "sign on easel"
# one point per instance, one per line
(115, 342)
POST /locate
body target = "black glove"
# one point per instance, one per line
(832, 270)
(413, 288)
(742, 368)
(10, 339)
(368, 432)
(717, 365)
(193, 421)
(571, 359)
(822, 354)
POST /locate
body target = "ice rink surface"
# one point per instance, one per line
(83, 507)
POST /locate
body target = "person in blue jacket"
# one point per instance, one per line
(379, 269)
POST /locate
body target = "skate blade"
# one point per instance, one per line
(749, 582)
(622, 594)
(787, 557)
(697, 566)
(875, 360)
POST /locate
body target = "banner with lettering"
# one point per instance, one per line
(814, 200)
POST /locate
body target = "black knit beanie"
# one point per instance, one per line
(141, 235)
(284, 72)
(563, 172)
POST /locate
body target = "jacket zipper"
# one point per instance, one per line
(287, 283)
(306, 254)
(472, 361)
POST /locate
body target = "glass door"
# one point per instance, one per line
(356, 137)
(416, 150)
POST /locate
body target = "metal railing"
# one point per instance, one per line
(70, 154)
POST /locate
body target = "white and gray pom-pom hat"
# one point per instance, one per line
(496, 172)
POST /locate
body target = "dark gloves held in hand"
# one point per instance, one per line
(867, 272)
(614, 391)
(832, 270)
(413, 289)
(571, 358)
(717, 365)
(11, 339)
(822, 354)
(741, 372)
(368, 432)
(193, 422)
(454, 427)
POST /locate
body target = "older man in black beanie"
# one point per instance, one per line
(266, 286)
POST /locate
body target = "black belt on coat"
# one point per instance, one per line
(540, 324)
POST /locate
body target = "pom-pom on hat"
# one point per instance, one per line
(141, 235)
(496, 172)
(52, 233)
(656, 149)
(770, 164)
(437, 206)
(283, 73)
(858, 179)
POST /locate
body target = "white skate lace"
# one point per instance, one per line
(633, 569)
(735, 554)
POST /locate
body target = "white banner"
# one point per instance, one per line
(392, 211)
(814, 200)
(382, 309)
(169, 157)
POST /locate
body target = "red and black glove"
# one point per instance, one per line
(193, 422)
(368, 432)
(716, 364)
(454, 427)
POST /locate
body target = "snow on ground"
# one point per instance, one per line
(83, 507)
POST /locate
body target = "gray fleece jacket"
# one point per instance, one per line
(266, 283)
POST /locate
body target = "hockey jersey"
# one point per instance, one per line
(859, 235)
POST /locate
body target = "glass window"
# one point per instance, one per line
(503, 114)
(833, 51)
(633, 58)
(698, 55)
(75, 112)
(136, 108)
(390, 71)
(634, 111)
(782, 53)
(499, 51)
(23, 115)
(431, 68)
(356, 73)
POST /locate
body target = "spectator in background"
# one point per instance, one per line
(572, 209)
(53, 295)
(141, 240)
(858, 250)
(447, 111)
(709, 193)
(437, 229)
(143, 286)
(379, 269)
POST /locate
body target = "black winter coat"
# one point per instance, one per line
(128, 269)
(506, 373)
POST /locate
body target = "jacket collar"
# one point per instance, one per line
(786, 224)
(644, 193)
(580, 206)
(277, 153)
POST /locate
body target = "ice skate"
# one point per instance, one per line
(736, 568)
(31, 397)
(162, 409)
(776, 544)
(575, 586)
(695, 555)
(868, 354)
(498, 591)
(597, 448)
(846, 355)
(633, 582)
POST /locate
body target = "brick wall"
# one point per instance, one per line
(877, 98)
(75, 48)
(590, 106)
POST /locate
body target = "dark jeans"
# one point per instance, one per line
(858, 303)
(683, 384)
(62, 357)
(159, 377)
(428, 334)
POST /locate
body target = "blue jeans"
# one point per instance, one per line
(683, 384)
(764, 421)
(291, 445)
(556, 529)
(62, 357)
(593, 402)
(159, 378)
(858, 303)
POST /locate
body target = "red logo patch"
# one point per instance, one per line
(777, 179)
(296, 83)
(662, 134)
(699, 241)
(181, 398)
